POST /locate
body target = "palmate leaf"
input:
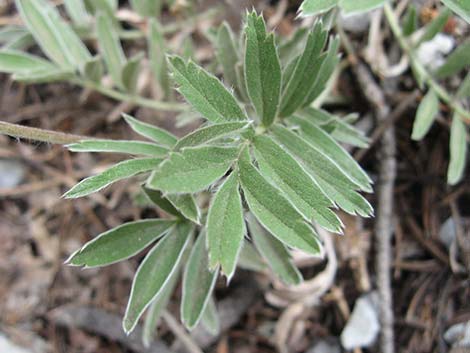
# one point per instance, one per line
(120, 243)
(262, 69)
(205, 92)
(425, 115)
(150, 131)
(304, 73)
(193, 169)
(119, 171)
(273, 210)
(155, 272)
(210, 133)
(302, 191)
(274, 252)
(198, 284)
(336, 185)
(119, 146)
(225, 227)
(328, 146)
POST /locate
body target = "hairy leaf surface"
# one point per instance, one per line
(198, 284)
(193, 169)
(119, 171)
(120, 243)
(225, 226)
(273, 210)
(155, 272)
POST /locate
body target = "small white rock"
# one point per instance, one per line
(7, 346)
(432, 53)
(11, 173)
(363, 325)
(328, 345)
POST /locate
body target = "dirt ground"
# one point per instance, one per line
(46, 306)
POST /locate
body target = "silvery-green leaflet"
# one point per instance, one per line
(272, 166)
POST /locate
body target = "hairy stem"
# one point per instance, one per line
(427, 77)
(124, 97)
(32, 133)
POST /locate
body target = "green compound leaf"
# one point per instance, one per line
(198, 284)
(274, 252)
(303, 192)
(119, 171)
(17, 62)
(455, 62)
(227, 54)
(315, 7)
(205, 92)
(77, 12)
(157, 57)
(435, 26)
(328, 146)
(127, 147)
(93, 69)
(225, 227)
(356, 6)
(147, 8)
(193, 169)
(262, 69)
(155, 272)
(36, 15)
(425, 115)
(305, 72)
(158, 305)
(458, 150)
(120, 243)
(328, 64)
(180, 205)
(250, 259)
(273, 211)
(337, 186)
(210, 318)
(210, 133)
(130, 72)
(110, 48)
(150, 131)
(460, 7)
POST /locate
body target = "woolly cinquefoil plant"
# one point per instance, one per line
(271, 166)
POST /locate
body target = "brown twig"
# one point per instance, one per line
(32, 133)
(387, 170)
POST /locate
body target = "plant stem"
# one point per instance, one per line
(427, 77)
(36, 134)
(124, 97)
